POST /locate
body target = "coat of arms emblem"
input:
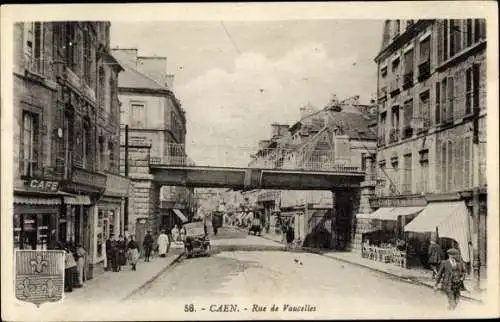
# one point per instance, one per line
(39, 275)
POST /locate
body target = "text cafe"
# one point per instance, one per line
(37, 204)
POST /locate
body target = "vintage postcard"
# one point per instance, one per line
(250, 161)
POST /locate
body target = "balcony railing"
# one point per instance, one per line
(408, 80)
(394, 86)
(424, 70)
(34, 65)
(394, 135)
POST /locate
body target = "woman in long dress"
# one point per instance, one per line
(183, 233)
(133, 252)
(162, 244)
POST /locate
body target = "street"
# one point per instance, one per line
(272, 276)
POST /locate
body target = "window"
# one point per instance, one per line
(382, 128)
(467, 165)
(86, 145)
(479, 29)
(446, 166)
(111, 108)
(397, 28)
(408, 68)
(102, 155)
(87, 61)
(111, 153)
(447, 99)
(424, 67)
(424, 171)
(423, 113)
(455, 37)
(445, 40)
(102, 88)
(70, 45)
(472, 77)
(469, 32)
(394, 135)
(122, 116)
(393, 187)
(68, 137)
(33, 46)
(29, 152)
(137, 115)
(407, 185)
(383, 71)
(407, 118)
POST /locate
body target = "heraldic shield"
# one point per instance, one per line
(39, 275)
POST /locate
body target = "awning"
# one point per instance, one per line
(180, 215)
(363, 216)
(25, 200)
(384, 214)
(77, 200)
(451, 220)
(407, 211)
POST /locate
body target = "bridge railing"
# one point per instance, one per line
(279, 158)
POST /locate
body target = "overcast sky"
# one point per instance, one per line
(236, 78)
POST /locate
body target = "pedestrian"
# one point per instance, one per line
(80, 263)
(451, 275)
(121, 252)
(162, 244)
(175, 233)
(133, 250)
(69, 269)
(147, 245)
(109, 255)
(290, 236)
(113, 251)
(436, 255)
(183, 233)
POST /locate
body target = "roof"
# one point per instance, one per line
(132, 78)
(354, 125)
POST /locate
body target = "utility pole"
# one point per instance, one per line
(476, 241)
(125, 216)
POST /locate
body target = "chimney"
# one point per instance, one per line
(129, 55)
(154, 67)
(263, 144)
(169, 82)
(275, 130)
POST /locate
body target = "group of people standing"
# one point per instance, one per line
(117, 251)
(447, 273)
(74, 263)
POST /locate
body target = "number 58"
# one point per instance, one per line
(189, 308)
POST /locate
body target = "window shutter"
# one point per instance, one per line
(449, 166)
(458, 162)
(475, 84)
(439, 42)
(451, 98)
(444, 99)
(441, 175)
(457, 35)
(466, 163)
(459, 89)
(438, 103)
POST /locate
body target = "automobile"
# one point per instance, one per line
(196, 241)
(255, 227)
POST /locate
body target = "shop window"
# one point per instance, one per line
(32, 231)
(29, 147)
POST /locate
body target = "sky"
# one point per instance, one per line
(236, 78)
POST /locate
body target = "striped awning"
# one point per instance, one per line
(180, 215)
(26, 200)
(407, 211)
(451, 220)
(77, 200)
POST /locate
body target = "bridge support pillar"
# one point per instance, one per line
(346, 205)
(361, 225)
(143, 203)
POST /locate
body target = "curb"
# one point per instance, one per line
(152, 279)
(401, 278)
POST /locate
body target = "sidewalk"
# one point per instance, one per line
(116, 286)
(414, 275)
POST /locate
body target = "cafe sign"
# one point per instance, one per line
(398, 202)
(42, 185)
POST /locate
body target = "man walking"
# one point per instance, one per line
(147, 245)
(451, 275)
(436, 255)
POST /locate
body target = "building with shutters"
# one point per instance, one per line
(340, 134)
(431, 89)
(155, 119)
(67, 130)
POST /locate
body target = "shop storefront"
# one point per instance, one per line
(37, 206)
(109, 218)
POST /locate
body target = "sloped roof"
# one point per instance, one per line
(132, 78)
(354, 125)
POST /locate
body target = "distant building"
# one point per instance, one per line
(431, 80)
(338, 135)
(155, 118)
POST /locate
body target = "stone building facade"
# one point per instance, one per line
(67, 134)
(431, 89)
(156, 128)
